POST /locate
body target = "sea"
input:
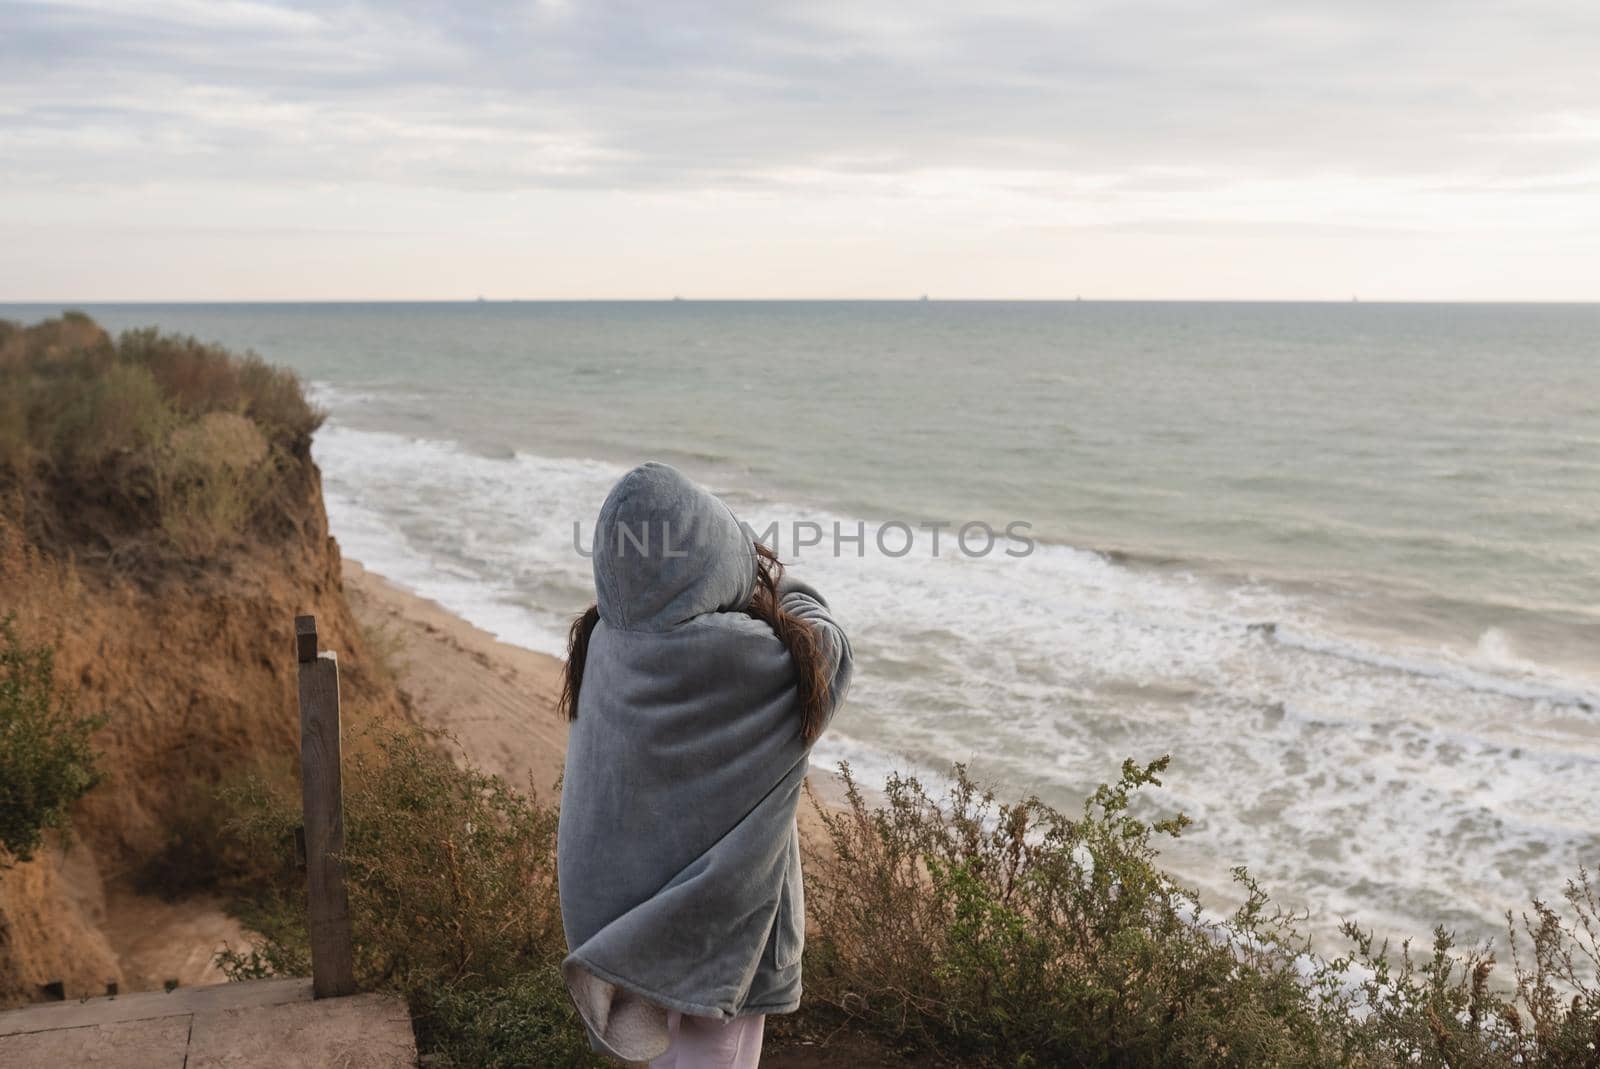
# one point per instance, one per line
(1341, 561)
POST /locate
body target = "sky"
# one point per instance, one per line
(1234, 149)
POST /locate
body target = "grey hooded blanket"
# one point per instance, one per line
(678, 857)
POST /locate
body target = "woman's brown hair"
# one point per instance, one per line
(811, 674)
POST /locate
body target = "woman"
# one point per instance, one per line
(696, 686)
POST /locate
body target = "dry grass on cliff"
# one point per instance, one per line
(150, 444)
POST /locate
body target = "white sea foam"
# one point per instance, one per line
(1402, 786)
(1490, 667)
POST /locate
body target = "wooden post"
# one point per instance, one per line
(332, 962)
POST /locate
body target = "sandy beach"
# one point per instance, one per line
(496, 700)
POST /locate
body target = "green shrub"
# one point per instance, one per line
(1441, 1010)
(1011, 935)
(46, 760)
(274, 399)
(119, 413)
(451, 880)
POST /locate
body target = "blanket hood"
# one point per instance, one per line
(666, 550)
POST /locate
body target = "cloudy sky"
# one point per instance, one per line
(235, 149)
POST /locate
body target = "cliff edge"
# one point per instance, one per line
(161, 524)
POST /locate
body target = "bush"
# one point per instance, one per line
(1015, 936)
(155, 441)
(1443, 1011)
(274, 399)
(46, 760)
(200, 378)
(1011, 935)
(451, 879)
(119, 413)
(211, 476)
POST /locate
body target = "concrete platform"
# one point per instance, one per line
(262, 1024)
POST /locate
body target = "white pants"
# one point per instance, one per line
(706, 1043)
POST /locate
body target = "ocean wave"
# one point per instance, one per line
(1450, 671)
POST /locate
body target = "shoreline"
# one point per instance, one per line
(497, 701)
